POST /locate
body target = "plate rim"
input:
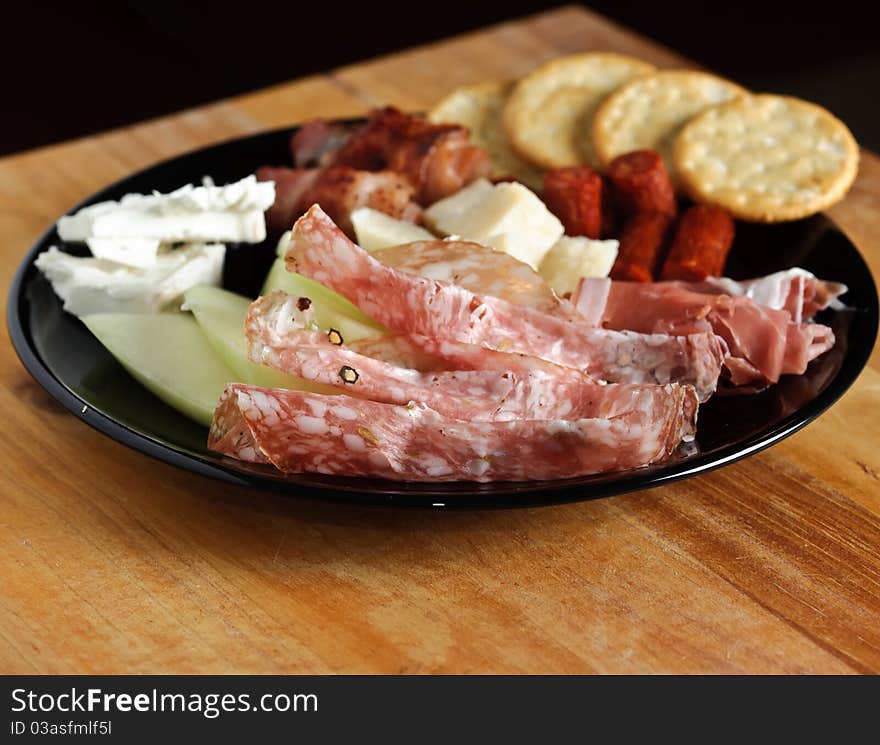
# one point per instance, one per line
(496, 495)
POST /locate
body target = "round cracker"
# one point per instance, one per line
(647, 113)
(766, 158)
(550, 111)
(479, 108)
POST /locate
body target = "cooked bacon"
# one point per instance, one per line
(338, 190)
(476, 268)
(346, 436)
(316, 143)
(762, 342)
(438, 159)
(439, 310)
(290, 186)
(280, 334)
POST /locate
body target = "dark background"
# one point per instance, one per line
(72, 68)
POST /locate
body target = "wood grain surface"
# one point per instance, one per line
(111, 562)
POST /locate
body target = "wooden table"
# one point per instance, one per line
(111, 562)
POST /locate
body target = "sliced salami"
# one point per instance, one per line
(476, 268)
(440, 310)
(281, 333)
(345, 436)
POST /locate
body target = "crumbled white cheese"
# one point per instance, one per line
(92, 285)
(231, 213)
(129, 251)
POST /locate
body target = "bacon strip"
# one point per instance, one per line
(339, 190)
(345, 436)
(442, 311)
(316, 143)
(438, 159)
(280, 335)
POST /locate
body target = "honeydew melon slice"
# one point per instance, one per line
(221, 315)
(169, 355)
(330, 308)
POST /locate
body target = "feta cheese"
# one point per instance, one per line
(506, 216)
(571, 258)
(375, 230)
(128, 251)
(93, 285)
(231, 213)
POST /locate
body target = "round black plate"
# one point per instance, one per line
(75, 369)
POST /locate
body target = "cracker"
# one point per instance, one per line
(549, 114)
(478, 107)
(766, 158)
(647, 113)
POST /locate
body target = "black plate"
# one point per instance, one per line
(75, 369)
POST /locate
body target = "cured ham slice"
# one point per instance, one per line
(338, 190)
(762, 342)
(340, 435)
(438, 310)
(280, 333)
(476, 268)
(438, 159)
(795, 290)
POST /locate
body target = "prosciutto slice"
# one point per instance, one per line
(794, 290)
(438, 310)
(340, 435)
(280, 334)
(762, 342)
(338, 190)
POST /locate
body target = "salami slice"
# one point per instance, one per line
(281, 333)
(345, 436)
(400, 350)
(440, 310)
(476, 268)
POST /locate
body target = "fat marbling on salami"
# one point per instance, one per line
(281, 333)
(341, 435)
(440, 310)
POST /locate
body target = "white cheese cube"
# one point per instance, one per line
(128, 251)
(90, 285)
(506, 216)
(444, 215)
(375, 230)
(571, 258)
